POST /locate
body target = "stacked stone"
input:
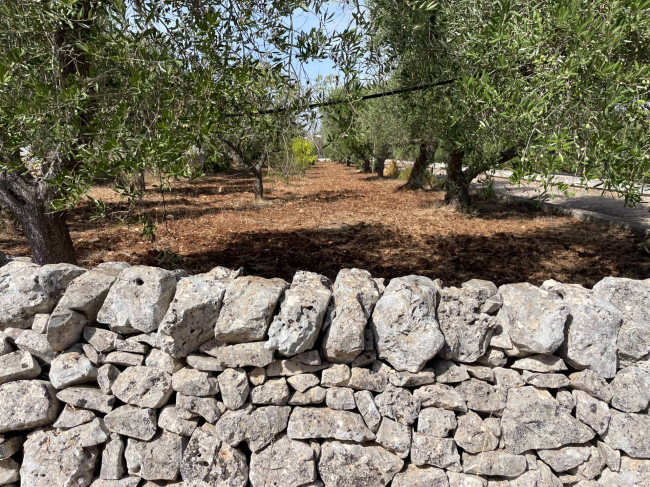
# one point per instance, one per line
(138, 376)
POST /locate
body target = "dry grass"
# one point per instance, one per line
(337, 217)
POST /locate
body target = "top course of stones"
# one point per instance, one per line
(338, 384)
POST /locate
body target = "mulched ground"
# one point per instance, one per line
(336, 217)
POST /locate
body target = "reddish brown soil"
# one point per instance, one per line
(336, 217)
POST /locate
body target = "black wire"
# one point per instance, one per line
(339, 102)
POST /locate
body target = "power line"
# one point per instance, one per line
(365, 97)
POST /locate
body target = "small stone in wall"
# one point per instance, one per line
(629, 432)
(367, 380)
(102, 340)
(592, 383)
(177, 420)
(494, 463)
(71, 417)
(234, 387)
(134, 422)
(395, 437)
(27, 404)
(124, 359)
(112, 467)
(399, 404)
(591, 411)
(415, 476)
(157, 359)
(308, 423)
(36, 344)
(368, 409)
(436, 422)
(340, 398)
(440, 396)
(285, 462)
(146, 387)
(71, 368)
(194, 383)
(631, 390)
(254, 354)
(313, 395)
(565, 458)
(434, 451)
(207, 407)
(303, 382)
(473, 435)
(275, 392)
(158, 459)
(19, 365)
(106, 377)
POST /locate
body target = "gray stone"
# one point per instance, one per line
(368, 409)
(398, 404)
(123, 482)
(534, 420)
(409, 379)
(36, 344)
(395, 437)
(79, 306)
(157, 359)
(494, 463)
(5, 346)
(532, 318)
(508, 378)
(355, 294)
(258, 427)
(629, 432)
(480, 372)
(633, 464)
(336, 376)
(591, 331)
(295, 329)
(352, 465)
(448, 372)
(434, 451)
(177, 420)
(404, 323)
(133, 422)
(101, 340)
(314, 395)
(593, 466)
(248, 308)
(302, 382)
(415, 476)
(124, 359)
(49, 455)
(132, 345)
(473, 435)
(565, 458)
(254, 354)
(592, 383)
(307, 423)
(466, 328)
(10, 445)
(206, 407)
(546, 381)
(234, 387)
(9, 471)
(257, 376)
(540, 363)
(29, 289)
(113, 459)
(611, 457)
(288, 368)
(436, 422)
(591, 411)
(204, 363)
(71, 368)
(208, 461)
(88, 434)
(464, 480)
(565, 398)
(138, 300)
(275, 392)
(340, 398)
(440, 396)
(621, 479)
(194, 383)
(146, 387)
(632, 299)
(283, 463)
(158, 459)
(18, 366)
(39, 325)
(27, 404)
(483, 397)
(106, 377)
(71, 417)
(192, 314)
(631, 388)
(87, 398)
(364, 379)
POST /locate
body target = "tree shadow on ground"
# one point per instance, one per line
(566, 254)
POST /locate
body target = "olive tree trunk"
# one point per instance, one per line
(458, 182)
(416, 178)
(379, 166)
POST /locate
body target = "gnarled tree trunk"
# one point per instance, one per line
(379, 166)
(458, 182)
(258, 181)
(416, 179)
(367, 168)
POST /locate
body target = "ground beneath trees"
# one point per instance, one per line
(336, 217)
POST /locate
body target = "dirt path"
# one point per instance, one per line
(336, 217)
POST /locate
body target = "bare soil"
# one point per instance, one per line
(335, 218)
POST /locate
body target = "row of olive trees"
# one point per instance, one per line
(107, 89)
(540, 87)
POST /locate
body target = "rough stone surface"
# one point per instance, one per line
(434, 451)
(629, 432)
(398, 404)
(466, 328)
(49, 455)
(354, 296)
(177, 420)
(209, 461)
(138, 300)
(71, 417)
(146, 387)
(27, 404)
(36, 344)
(591, 411)
(368, 409)
(533, 319)
(234, 387)
(29, 289)
(87, 398)
(632, 299)
(190, 318)
(102, 340)
(308, 423)
(415, 476)
(158, 459)
(302, 382)
(494, 463)
(79, 306)
(483, 397)
(534, 420)
(113, 459)
(352, 465)
(315, 395)
(404, 323)
(631, 390)
(364, 379)
(341, 398)
(106, 377)
(540, 363)
(565, 458)
(448, 372)
(283, 463)
(194, 383)
(133, 422)
(275, 392)
(440, 396)
(257, 427)
(436, 422)
(395, 437)
(71, 368)
(248, 309)
(295, 329)
(592, 383)
(206, 407)
(473, 435)
(253, 354)
(162, 361)
(18, 365)
(336, 376)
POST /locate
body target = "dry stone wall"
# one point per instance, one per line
(139, 376)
